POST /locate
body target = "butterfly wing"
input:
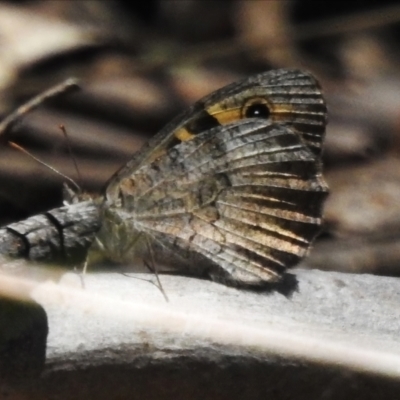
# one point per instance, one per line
(247, 197)
(290, 96)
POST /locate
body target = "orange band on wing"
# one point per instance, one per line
(184, 135)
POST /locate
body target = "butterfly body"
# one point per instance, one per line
(231, 188)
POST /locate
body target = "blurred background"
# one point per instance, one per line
(142, 63)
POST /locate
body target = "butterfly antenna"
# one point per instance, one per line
(71, 153)
(56, 171)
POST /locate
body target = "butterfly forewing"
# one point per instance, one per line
(291, 96)
(238, 197)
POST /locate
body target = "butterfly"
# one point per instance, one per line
(231, 189)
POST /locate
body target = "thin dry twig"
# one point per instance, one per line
(68, 86)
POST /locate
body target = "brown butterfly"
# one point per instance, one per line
(231, 188)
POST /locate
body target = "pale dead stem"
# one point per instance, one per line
(308, 346)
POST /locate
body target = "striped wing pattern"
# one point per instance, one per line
(241, 196)
(294, 97)
(246, 196)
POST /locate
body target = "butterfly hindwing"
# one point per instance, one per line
(242, 195)
(232, 186)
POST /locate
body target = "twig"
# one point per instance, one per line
(56, 235)
(68, 86)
